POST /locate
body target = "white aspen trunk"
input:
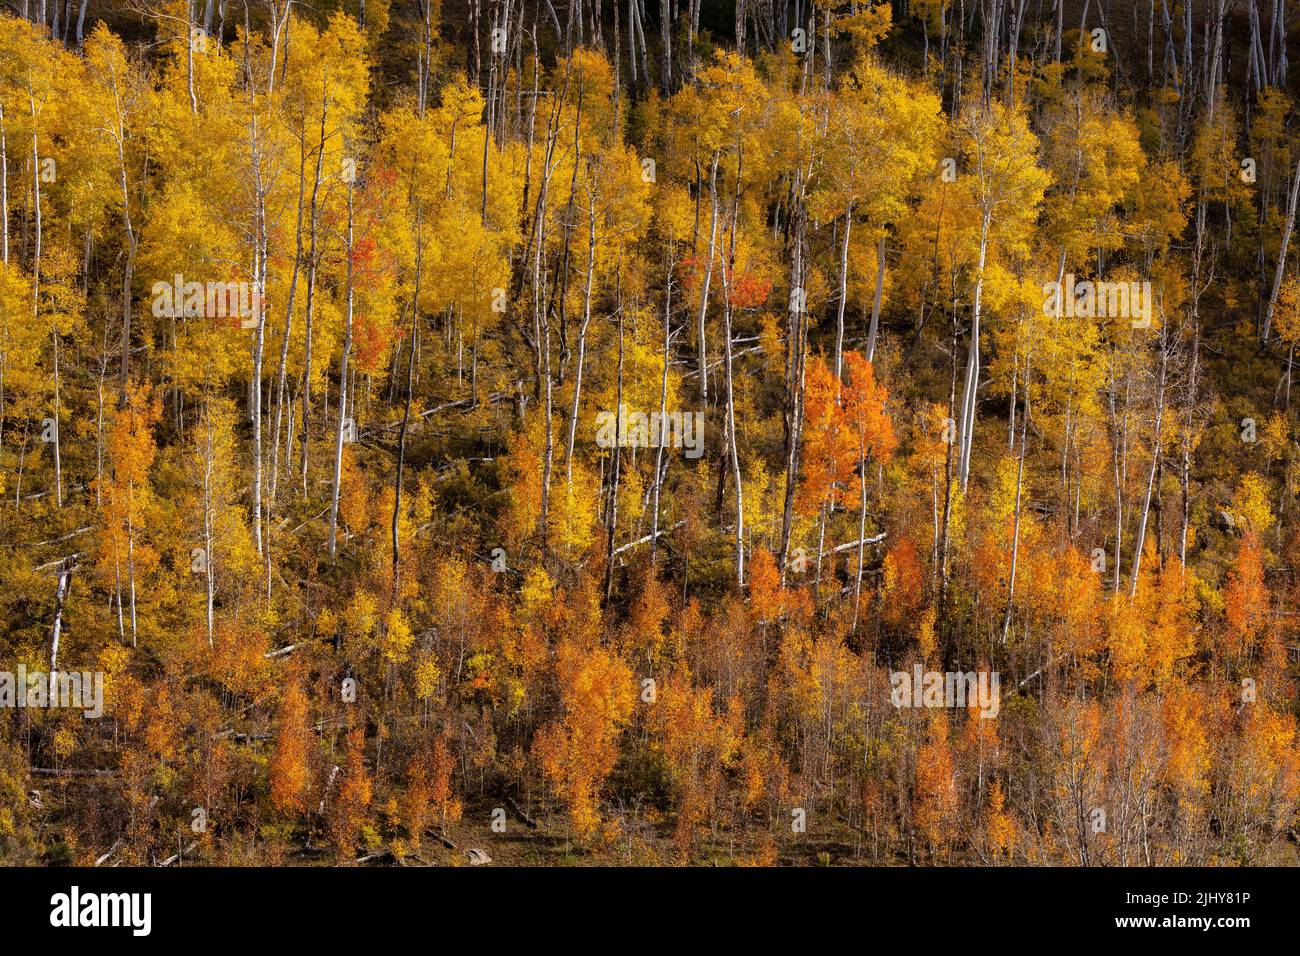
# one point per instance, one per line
(311, 302)
(282, 369)
(582, 331)
(1140, 540)
(731, 393)
(708, 278)
(971, 389)
(795, 370)
(129, 270)
(541, 325)
(862, 534)
(665, 51)
(259, 334)
(343, 394)
(1020, 477)
(617, 465)
(130, 558)
(663, 412)
(117, 593)
(58, 454)
(844, 293)
(4, 189)
(1282, 250)
(1119, 465)
(209, 572)
(36, 195)
(60, 597)
(542, 329)
(278, 21)
(406, 412)
(188, 40)
(874, 328)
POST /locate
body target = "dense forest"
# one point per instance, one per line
(577, 432)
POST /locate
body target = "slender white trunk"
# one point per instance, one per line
(971, 389)
(708, 278)
(844, 293)
(582, 331)
(874, 329)
(1140, 541)
(343, 394)
(1281, 254)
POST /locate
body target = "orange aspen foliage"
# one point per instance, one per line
(429, 795)
(126, 559)
(697, 744)
(999, 828)
(766, 595)
(290, 772)
(827, 445)
(1245, 599)
(864, 400)
(902, 582)
(348, 806)
(816, 293)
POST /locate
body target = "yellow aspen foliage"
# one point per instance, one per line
(536, 596)
(525, 468)
(572, 520)
(1187, 761)
(1250, 508)
(239, 655)
(926, 642)
(354, 500)
(229, 236)
(1265, 774)
(428, 676)
(999, 828)
(1150, 633)
(398, 637)
(765, 775)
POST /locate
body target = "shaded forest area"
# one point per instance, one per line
(545, 431)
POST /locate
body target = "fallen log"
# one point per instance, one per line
(176, 856)
(874, 539)
(55, 772)
(519, 812)
(440, 837)
(642, 540)
(111, 850)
